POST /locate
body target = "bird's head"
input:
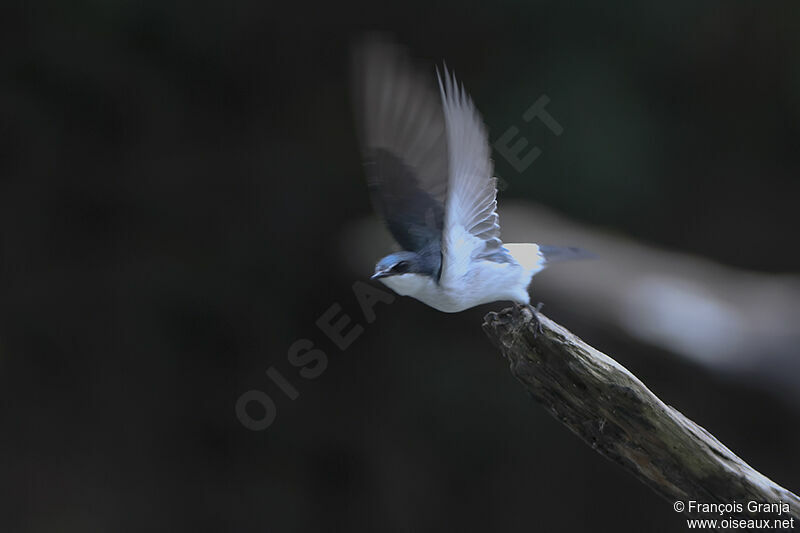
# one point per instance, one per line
(400, 263)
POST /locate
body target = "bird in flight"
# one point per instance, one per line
(427, 159)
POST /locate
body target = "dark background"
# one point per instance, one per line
(175, 180)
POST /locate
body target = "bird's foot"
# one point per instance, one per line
(517, 315)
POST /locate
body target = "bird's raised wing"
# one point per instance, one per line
(471, 226)
(404, 144)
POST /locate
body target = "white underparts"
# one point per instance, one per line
(482, 282)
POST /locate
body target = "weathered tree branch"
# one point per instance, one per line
(618, 416)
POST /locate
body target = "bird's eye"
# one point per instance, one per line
(401, 267)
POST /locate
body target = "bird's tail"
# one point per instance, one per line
(555, 254)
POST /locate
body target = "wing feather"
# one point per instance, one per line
(404, 144)
(471, 225)
(428, 160)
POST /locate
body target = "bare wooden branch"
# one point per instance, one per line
(619, 417)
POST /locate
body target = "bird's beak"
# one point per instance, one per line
(379, 274)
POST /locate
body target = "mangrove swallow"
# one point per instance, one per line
(427, 160)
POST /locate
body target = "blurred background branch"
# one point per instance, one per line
(617, 415)
(736, 322)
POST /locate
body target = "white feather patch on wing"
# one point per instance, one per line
(527, 255)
